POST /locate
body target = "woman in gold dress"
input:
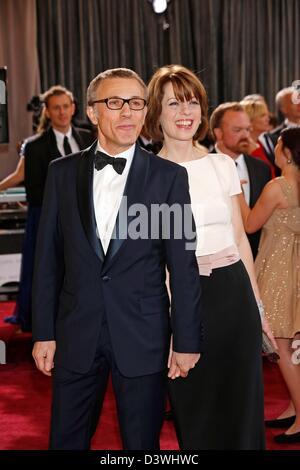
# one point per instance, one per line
(278, 269)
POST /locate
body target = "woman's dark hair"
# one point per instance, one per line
(291, 140)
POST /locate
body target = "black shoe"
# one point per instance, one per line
(280, 423)
(168, 416)
(13, 320)
(287, 438)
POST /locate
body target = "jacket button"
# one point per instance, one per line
(105, 278)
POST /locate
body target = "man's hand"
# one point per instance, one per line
(181, 363)
(43, 354)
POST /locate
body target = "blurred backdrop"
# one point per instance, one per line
(236, 46)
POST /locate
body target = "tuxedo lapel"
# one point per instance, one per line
(85, 199)
(252, 179)
(134, 190)
(53, 149)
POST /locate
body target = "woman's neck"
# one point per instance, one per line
(291, 173)
(179, 151)
(255, 135)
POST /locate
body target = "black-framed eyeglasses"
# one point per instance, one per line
(136, 104)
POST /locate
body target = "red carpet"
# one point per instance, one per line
(7, 330)
(25, 402)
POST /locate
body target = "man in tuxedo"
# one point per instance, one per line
(230, 126)
(100, 298)
(290, 109)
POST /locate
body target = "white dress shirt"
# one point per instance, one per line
(291, 124)
(60, 141)
(242, 172)
(262, 139)
(243, 175)
(108, 189)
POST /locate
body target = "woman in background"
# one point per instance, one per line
(16, 177)
(278, 268)
(260, 122)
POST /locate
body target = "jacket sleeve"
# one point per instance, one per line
(186, 310)
(49, 263)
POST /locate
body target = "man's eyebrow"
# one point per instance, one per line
(121, 98)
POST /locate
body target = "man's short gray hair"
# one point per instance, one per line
(281, 94)
(111, 73)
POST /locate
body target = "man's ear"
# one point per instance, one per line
(218, 134)
(284, 103)
(90, 111)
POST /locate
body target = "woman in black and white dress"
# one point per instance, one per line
(220, 404)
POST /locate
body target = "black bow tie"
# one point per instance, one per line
(101, 160)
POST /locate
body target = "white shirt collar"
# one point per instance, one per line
(290, 123)
(145, 140)
(217, 149)
(60, 136)
(240, 159)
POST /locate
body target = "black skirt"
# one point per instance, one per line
(220, 404)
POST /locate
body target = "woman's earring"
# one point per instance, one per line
(289, 161)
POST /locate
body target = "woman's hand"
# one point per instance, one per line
(174, 371)
(266, 328)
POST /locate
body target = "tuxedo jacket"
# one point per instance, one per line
(270, 139)
(274, 135)
(77, 287)
(39, 150)
(259, 174)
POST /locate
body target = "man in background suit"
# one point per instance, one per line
(230, 126)
(148, 144)
(290, 109)
(55, 137)
(100, 298)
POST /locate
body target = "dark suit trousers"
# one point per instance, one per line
(78, 398)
